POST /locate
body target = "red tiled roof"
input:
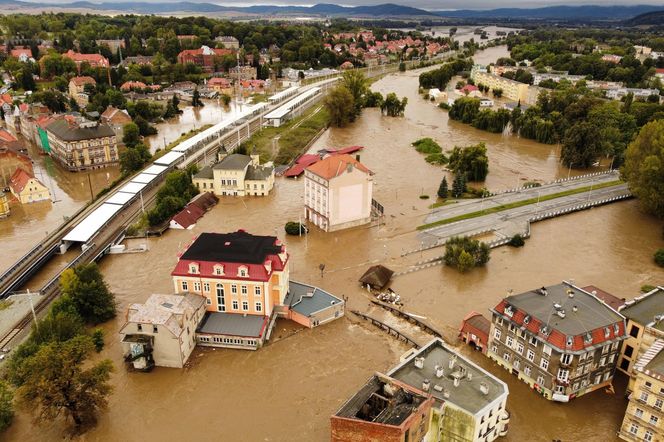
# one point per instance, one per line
(612, 301)
(345, 150)
(93, 59)
(219, 81)
(128, 85)
(469, 88)
(335, 165)
(6, 98)
(477, 324)
(188, 216)
(78, 81)
(21, 51)
(19, 180)
(6, 136)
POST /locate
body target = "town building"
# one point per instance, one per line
(236, 175)
(311, 306)
(94, 60)
(470, 403)
(619, 93)
(243, 278)
(239, 73)
(77, 89)
(140, 60)
(162, 331)
(641, 312)
(221, 85)
(80, 144)
(193, 211)
(116, 118)
(557, 77)
(4, 205)
(475, 330)
(383, 410)
(26, 188)
(644, 417)
(512, 90)
(114, 45)
(29, 115)
(22, 54)
(228, 41)
(561, 340)
(204, 57)
(338, 193)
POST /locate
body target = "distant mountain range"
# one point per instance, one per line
(387, 10)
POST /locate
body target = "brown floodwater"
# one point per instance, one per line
(287, 390)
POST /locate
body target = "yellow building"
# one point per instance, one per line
(77, 89)
(236, 175)
(81, 144)
(512, 90)
(26, 188)
(640, 313)
(4, 205)
(644, 418)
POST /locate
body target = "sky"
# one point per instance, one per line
(423, 4)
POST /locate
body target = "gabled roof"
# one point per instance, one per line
(97, 59)
(19, 180)
(78, 81)
(188, 216)
(233, 161)
(73, 132)
(335, 165)
(111, 112)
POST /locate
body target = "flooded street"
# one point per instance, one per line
(29, 223)
(287, 390)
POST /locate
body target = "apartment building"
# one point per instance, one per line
(80, 144)
(161, 331)
(644, 417)
(512, 90)
(469, 402)
(561, 340)
(77, 89)
(228, 41)
(236, 175)
(641, 312)
(338, 193)
(94, 60)
(205, 57)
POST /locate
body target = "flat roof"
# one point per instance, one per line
(120, 198)
(284, 110)
(306, 299)
(644, 308)
(591, 313)
(169, 158)
(467, 395)
(91, 224)
(285, 93)
(233, 324)
(155, 169)
(132, 188)
(143, 178)
(238, 246)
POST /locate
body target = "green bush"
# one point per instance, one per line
(647, 288)
(517, 241)
(427, 145)
(659, 257)
(436, 158)
(295, 228)
(465, 253)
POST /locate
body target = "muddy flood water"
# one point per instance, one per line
(288, 390)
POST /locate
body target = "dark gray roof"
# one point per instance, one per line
(205, 173)
(400, 406)
(63, 130)
(233, 161)
(307, 299)
(233, 324)
(238, 246)
(258, 172)
(591, 313)
(644, 308)
(467, 395)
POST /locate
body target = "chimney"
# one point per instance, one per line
(425, 385)
(439, 371)
(484, 388)
(456, 381)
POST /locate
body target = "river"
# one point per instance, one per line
(288, 390)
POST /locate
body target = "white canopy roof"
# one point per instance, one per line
(91, 224)
(170, 158)
(143, 178)
(155, 169)
(120, 198)
(132, 188)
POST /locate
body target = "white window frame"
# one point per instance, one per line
(544, 364)
(530, 355)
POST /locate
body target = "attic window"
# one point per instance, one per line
(218, 270)
(570, 341)
(193, 268)
(616, 328)
(526, 320)
(243, 272)
(588, 338)
(607, 332)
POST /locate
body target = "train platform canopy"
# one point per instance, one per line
(143, 178)
(170, 158)
(91, 224)
(155, 169)
(132, 188)
(120, 198)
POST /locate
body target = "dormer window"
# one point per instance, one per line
(570, 341)
(607, 332)
(218, 269)
(243, 271)
(193, 268)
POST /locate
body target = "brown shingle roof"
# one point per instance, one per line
(335, 165)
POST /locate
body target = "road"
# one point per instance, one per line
(506, 223)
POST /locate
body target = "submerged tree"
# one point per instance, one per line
(442, 189)
(340, 104)
(465, 253)
(392, 106)
(86, 287)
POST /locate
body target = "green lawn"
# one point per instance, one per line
(516, 204)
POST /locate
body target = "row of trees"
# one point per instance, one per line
(176, 192)
(439, 78)
(52, 372)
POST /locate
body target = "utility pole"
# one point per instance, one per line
(90, 184)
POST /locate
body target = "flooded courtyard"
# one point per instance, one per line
(287, 390)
